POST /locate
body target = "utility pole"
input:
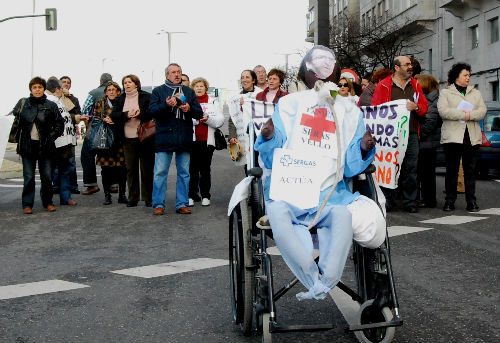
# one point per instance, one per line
(169, 34)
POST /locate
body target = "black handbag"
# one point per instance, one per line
(220, 140)
(101, 136)
(15, 131)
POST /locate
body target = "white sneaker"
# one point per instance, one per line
(205, 202)
(191, 202)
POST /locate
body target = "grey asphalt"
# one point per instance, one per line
(447, 278)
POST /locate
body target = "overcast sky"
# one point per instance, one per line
(120, 37)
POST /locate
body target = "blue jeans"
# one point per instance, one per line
(65, 169)
(56, 182)
(45, 169)
(162, 165)
(87, 157)
(334, 228)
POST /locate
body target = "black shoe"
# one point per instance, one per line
(448, 206)
(75, 191)
(122, 199)
(472, 207)
(107, 199)
(149, 204)
(131, 203)
(411, 209)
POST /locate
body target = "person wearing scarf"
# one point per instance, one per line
(203, 145)
(461, 133)
(173, 106)
(65, 144)
(130, 111)
(40, 123)
(112, 162)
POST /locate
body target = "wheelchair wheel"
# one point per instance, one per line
(368, 314)
(266, 328)
(240, 255)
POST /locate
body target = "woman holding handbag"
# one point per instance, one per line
(204, 144)
(112, 161)
(130, 111)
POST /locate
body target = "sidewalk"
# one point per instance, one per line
(10, 169)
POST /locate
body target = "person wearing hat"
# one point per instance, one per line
(314, 124)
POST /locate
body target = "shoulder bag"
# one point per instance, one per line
(146, 130)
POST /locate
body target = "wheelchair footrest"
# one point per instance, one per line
(276, 328)
(395, 322)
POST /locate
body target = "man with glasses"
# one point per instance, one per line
(401, 85)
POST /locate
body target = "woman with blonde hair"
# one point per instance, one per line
(204, 143)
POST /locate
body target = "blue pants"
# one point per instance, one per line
(162, 165)
(334, 228)
(45, 169)
(87, 158)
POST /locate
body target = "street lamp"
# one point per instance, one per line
(169, 33)
(286, 59)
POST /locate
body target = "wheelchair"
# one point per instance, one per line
(253, 294)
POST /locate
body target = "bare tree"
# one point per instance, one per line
(366, 48)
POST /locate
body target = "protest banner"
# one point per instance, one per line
(389, 125)
(257, 112)
(5, 126)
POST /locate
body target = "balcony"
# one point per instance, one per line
(459, 7)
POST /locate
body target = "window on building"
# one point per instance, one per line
(334, 7)
(495, 92)
(363, 21)
(449, 34)
(474, 35)
(494, 30)
(374, 17)
(430, 61)
(379, 9)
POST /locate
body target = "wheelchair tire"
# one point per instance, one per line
(266, 328)
(366, 315)
(240, 256)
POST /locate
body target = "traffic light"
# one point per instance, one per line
(50, 19)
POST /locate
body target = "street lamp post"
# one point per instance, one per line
(286, 59)
(169, 34)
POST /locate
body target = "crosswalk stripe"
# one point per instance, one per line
(404, 230)
(171, 268)
(493, 211)
(452, 220)
(34, 288)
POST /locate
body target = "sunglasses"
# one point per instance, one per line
(343, 84)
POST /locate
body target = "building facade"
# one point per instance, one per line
(450, 31)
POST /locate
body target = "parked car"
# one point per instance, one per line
(489, 151)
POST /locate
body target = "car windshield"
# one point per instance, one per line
(492, 121)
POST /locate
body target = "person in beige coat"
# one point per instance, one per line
(461, 107)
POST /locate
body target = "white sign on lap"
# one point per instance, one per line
(297, 177)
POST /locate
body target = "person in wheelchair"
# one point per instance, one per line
(314, 142)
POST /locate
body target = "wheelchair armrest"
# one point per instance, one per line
(370, 169)
(255, 171)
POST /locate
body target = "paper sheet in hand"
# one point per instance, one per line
(465, 106)
(296, 177)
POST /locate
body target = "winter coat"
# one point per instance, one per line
(383, 91)
(365, 98)
(49, 122)
(262, 95)
(119, 117)
(173, 133)
(213, 122)
(453, 129)
(430, 126)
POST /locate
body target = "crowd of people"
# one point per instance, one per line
(186, 117)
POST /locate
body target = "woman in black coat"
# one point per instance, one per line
(40, 123)
(131, 109)
(430, 135)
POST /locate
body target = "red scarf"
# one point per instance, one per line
(201, 130)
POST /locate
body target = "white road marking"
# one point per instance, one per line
(452, 220)
(34, 288)
(37, 178)
(11, 186)
(163, 269)
(493, 211)
(403, 230)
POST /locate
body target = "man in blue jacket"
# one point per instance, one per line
(173, 106)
